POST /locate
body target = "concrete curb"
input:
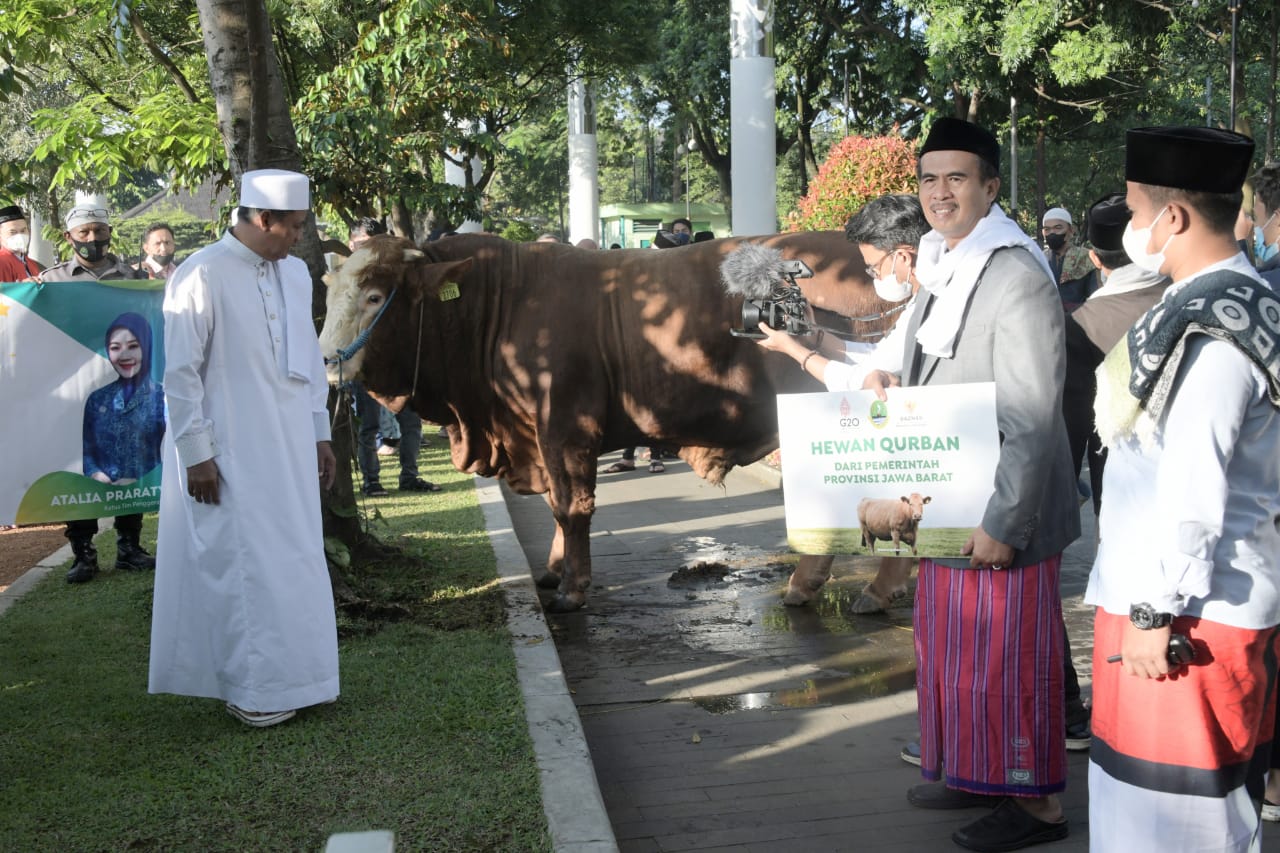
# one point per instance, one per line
(571, 798)
(33, 576)
(766, 474)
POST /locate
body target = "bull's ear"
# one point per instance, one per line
(926, 499)
(411, 255)
(438, 282)
(326, 278)
(905, 499)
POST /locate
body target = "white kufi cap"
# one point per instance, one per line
(1059, 214)
(275, 189)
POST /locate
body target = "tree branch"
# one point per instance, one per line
(161, 57)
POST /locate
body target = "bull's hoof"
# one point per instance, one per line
(547, 580)
(867, 603)
(566, 603)
(797, 598)
(871, 601)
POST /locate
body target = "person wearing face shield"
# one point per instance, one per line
(89, 233)
(887, 230)
(1072, 269)
(15, 241)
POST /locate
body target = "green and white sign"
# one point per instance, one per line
(908, 476)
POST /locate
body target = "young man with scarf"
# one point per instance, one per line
(1190, 529)
(989, 638)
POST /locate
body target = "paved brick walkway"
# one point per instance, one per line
(719, 720)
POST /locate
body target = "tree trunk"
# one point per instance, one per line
(257, 131)
(1270, 151)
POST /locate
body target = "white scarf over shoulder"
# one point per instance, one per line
(951, 275)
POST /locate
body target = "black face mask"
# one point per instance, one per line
(162, 260)
(1055, 241)
(91, 250)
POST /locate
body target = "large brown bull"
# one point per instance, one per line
(539, 357)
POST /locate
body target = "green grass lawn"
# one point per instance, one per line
(428, 738)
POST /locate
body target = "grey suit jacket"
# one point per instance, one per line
(1012, 334)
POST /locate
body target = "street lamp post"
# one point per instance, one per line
(687, 149)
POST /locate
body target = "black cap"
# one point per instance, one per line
(10, 213)
(953, 134)
(1199, 159)
(1105, 222)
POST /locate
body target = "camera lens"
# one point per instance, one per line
(750, 316)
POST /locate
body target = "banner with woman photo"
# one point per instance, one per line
(83, 412)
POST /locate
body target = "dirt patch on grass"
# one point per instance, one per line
(23, 547)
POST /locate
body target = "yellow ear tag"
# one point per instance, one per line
(449, 291)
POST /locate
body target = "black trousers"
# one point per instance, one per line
(87, 528)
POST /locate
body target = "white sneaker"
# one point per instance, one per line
(259, 719)
(1270, 811)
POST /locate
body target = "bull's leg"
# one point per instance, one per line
(550, 576)
(889, 584)
(574, 532)
(571, 471)
(811, 573)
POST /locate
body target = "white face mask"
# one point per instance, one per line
(1136, 240)
(890, 289)
(17, 243)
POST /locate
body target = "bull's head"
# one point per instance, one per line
(363, 287)
(916, 504)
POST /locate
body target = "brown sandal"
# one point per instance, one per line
(620, 466)
(656, 467)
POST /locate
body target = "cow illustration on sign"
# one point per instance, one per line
(887, 519)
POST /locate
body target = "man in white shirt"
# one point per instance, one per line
(243, 606)
(1190, 527)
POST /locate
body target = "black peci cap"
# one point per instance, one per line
(1105, 222)
(953, 134)
(1199, 159)
(10, 213)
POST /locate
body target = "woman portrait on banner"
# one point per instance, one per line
(124, 421)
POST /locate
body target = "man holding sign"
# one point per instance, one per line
(989, 642)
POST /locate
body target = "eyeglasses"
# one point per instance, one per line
(88, 211)
(873, 271)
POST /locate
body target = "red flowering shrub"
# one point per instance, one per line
(857, 170)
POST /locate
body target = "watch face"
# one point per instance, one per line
(1142, 616)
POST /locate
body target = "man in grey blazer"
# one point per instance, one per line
(989, 641)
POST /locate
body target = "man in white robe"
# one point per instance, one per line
(243, 605)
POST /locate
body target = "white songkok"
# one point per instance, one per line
(1059, 214)
(275, 189)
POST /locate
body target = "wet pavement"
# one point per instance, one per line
(719, 719)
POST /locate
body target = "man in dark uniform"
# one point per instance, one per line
(89, 233)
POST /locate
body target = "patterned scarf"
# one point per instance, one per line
(1135, 380)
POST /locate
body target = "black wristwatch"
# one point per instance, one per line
(1144, 617)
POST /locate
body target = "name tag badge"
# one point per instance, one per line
(449, 291)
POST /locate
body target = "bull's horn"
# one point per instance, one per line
(413, 255)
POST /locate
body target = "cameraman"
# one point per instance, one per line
(887, 230)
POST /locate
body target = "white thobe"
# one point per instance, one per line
(243, 606)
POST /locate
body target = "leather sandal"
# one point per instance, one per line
(620, 466)
(259, 719)
(1009, 827)
(936, 795)
(656, 467)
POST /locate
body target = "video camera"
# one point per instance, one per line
(784, 308)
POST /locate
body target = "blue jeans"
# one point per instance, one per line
(367, 410)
